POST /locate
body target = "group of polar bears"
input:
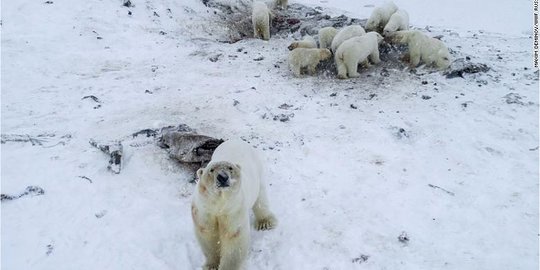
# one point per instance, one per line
(231, 184)
(351, 45)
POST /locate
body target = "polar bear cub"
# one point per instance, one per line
(380, 16)
(307, 58)
(326, 35)
(357, 50)
(260, 18)
(346, 33)
(227, 189)
(423, 48)
(398, 21)
(307, 42)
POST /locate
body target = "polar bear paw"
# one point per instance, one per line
(210, 267)
(266, 223)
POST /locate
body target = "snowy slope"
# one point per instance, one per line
(348, 173)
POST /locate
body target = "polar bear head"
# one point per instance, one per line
(324, 54)
(403, 36)
(219, 177)
(376, 36)
(293, 46)
(374, 22)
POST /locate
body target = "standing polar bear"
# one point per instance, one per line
(260, 18)
(422, 48)
(307, 58)
(380, 16)
(326, 36)
(357, 50)
(346, 33)
(227, 189)
(398, 21)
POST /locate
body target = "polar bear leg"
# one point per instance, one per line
(255, 31)
(414, 54)
(342, 69)
(312, 69)
(296, 70)
(266, 33)
(210, 249)
(352, 67)
(264, 219)
(234, 250)
(374, 57)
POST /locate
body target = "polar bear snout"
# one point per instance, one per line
(222, 179)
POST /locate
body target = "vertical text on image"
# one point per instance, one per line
(535, 33)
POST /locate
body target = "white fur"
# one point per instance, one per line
(307, 42)
(221, 214)
(346, 33)
(357, 50)
(423, 49)
(307, 58)
(260, 18)
(282, 4)
(326, 35)
(398, 21)
(380, 16)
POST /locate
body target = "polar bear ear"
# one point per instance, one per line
(200, 173)
(238, 167)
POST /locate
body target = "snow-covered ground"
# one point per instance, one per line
(453, 163)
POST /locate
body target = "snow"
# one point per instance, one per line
(511, 17)
(343, 182)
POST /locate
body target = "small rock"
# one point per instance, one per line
(424, 82)
(260, 58)
(403, 238)
(425, 97)
(127, 3)
(101, 214)
(353, 106)
(49, 249)
(285, 106)
(361, 259)
(514, 98)
(215, 58)
(283, 117)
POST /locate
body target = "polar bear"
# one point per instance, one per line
(398, 21)
(282, 4)
(357, 50)
(226, 190)
(307, 58)
(422, 48)
(346, 33)
(260, 18)
(326, 35)
(380, 16)
(307, 42)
